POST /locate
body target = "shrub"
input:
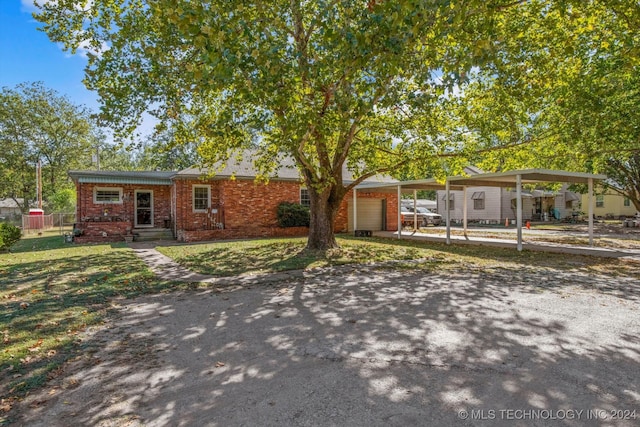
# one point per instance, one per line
(293, 215)
(9, 234)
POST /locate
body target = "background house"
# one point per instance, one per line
(611, 206)
(9, 208)
(497, 204)
(195, 205)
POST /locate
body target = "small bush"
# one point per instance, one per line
(293, 215)
(9, 235)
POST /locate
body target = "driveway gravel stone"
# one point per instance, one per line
(364, 346)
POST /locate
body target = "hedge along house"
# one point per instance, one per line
(193, 205)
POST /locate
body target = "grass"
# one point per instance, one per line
(273, 255)
(50, 292)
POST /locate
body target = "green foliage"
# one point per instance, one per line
(420, 88)
(9, 235)
(575, 107)
(327, 83)
(161, 152)
(38, 124)
(63, 200)
(292, 215)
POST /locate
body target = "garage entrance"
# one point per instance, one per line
(371, 214)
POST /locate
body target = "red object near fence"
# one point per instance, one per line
(36, 219)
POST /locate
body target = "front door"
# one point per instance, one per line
(144, 208)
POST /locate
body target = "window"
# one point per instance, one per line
(627, 201)
(478, 200)
(107, 195)
(452, 200)
(568, 204)
(600, 201)
(201, 197)
(304, 197)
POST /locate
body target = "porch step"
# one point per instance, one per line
(150, 234)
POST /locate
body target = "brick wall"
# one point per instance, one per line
(250, 205)
(248, 209)
(185, 217)
(119, 218)
(342, 217)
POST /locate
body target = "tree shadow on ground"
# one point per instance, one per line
(48, 302)
(366, 346)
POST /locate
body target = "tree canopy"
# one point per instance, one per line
(375, 85)
(576, 107)
(38, 124)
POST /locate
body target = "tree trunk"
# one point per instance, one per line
(323, 210)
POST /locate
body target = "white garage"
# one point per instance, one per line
(371, 214)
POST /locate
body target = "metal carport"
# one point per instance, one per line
(509, 179)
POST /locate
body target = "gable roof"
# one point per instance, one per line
(242, 167)
(10, 203)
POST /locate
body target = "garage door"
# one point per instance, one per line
(370, 214)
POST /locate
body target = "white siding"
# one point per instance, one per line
(492, 204)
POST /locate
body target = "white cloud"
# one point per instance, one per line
(85, 48)
(29, 6)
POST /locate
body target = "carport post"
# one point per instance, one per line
(415, 211)
(355, 210)
(447, 214)
(519, 210)
(590, 209)
(399, 213)
(464, 210)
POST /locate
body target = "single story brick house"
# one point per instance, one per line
(193, 205)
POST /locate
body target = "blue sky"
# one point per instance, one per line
(27, 55)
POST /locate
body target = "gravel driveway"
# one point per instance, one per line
(364, 346)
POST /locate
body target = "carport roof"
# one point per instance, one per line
(392, 187)
(498, 179)
(528, 176)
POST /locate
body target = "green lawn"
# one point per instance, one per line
(51, 291)
(272, 255)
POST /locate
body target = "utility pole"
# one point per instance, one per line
(39, 183)
(96, 157)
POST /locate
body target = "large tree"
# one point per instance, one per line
(327, 82)
(577, 104)
(38, 124)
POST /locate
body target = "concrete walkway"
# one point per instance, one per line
(629, 254)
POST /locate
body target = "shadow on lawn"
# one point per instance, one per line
(48, 301)
(366, 347)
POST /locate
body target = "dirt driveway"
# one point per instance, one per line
(364, 346)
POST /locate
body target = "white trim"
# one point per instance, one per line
(135, 209)
(107, 202)
(193, 197)
(302, 187)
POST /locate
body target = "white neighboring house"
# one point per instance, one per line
(9, 208)
(496, 205)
